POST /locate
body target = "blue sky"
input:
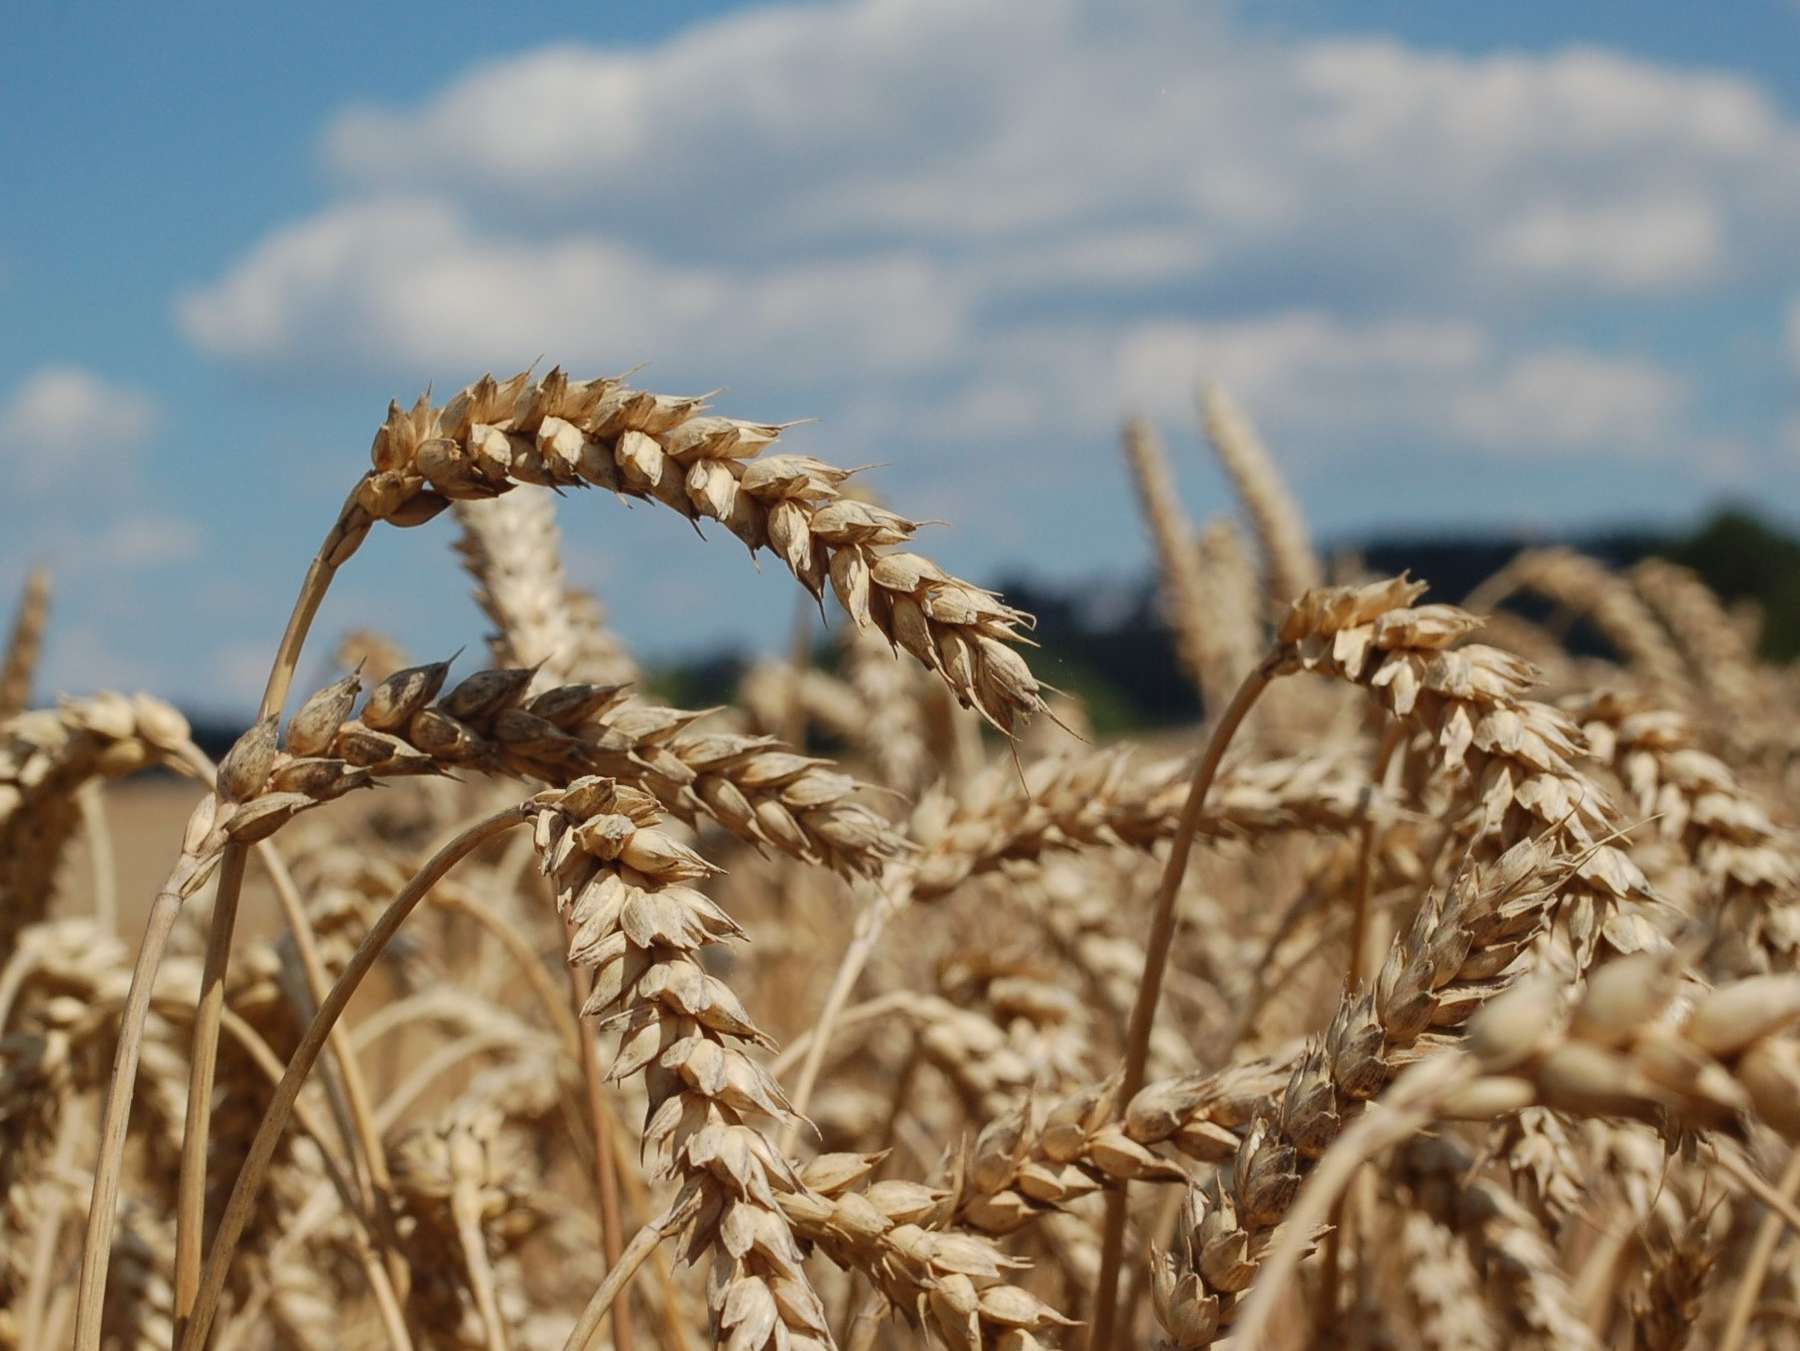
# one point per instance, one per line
(1525, 265)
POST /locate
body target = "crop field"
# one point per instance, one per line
(1437, 990)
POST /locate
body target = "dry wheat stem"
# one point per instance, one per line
(366, 1142)
(262, 1149)
(190, 1213)
(1156, 956)
(1756, 1269)
(340, 543)
(96, 1252)
(1406, 1108)
(672, 1221)
(387, 1300)
(606, 1178)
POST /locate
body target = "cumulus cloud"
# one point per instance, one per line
(61, 418)
(1432, 379)
(147, 539)
(412, 279)
(1631, 247)
(956, 123)
(963, 223)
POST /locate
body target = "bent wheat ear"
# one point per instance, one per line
(558, 432)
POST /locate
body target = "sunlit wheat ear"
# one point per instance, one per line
(1524, 760)
(1528, 1289)
(491, 722)
(556, 432)
(899, 1234)
(1720, 653)
(1186, 606)
(622, 887)
(1635, 1044)
(512, 548)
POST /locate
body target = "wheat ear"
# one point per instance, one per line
(25, 645)
(1290, 565)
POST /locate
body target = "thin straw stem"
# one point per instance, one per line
(262, 1149)
(1156, 960)
(96, 1249)
(190, 1215)
(1762, 1252)
(643, 1243)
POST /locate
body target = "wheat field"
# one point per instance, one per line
(1438, 991)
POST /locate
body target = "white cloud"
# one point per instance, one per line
(1633, 247)
(1574, 400)
(65, 424)
(146, 540)
(411, 279)
(957, 224)
(971, 122)
(1312, 372)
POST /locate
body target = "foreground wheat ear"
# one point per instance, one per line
(558, 432)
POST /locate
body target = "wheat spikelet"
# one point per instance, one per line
(1185, 602)
(892, 727)
(1635, 1045)
(750, 785)
(25, 644)
(1523, 758)
(953, 1282)
(470, 1183)
(772, 692)
(373, 655)
(1580, 584)
(1442, 1284)
(1290, 566)
(1234, 612)
(1103, 799)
